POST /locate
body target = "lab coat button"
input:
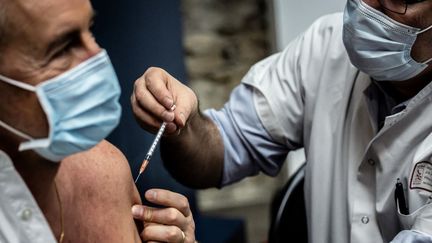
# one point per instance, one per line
(365, 219)
(26, 214)
(371, 162)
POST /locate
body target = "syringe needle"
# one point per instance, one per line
(137, 177)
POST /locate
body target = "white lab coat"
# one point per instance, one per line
(310, 95)
(21, 220)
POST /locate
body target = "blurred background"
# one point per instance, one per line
(209, 45)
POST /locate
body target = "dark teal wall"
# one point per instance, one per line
(139, 34)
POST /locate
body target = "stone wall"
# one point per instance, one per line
(222, 39)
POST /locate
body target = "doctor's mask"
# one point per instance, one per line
(377, 44)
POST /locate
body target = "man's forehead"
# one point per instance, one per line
(38, 23)
(51, 12)
(30, 7)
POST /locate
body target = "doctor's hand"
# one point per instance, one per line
(173, 223)
(158, 97)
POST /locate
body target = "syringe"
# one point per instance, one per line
(152, 147)
(151, 150)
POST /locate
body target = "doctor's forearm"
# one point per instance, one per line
(195, 157)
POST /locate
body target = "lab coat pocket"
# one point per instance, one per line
(407, 220)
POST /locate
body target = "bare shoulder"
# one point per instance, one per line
(102, 160)
(97, 186)
(104, 167)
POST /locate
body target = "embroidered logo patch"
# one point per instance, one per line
(421, 176)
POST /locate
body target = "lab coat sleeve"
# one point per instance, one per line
(286, 84)
(412, 236)
(248, 148)
(279, 95)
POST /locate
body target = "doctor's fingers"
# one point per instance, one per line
(157, 102)
(186, 106)
(151, 118)
(165, 233)
(159, 84)
(169, 199)
(164, 216)
(168, 91)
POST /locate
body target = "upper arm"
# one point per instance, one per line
(104, 192)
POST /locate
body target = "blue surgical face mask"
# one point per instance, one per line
(81, 106)
(378, 45)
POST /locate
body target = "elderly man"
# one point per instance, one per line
(354, 90)
(59, 100)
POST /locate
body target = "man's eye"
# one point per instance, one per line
(67, 48)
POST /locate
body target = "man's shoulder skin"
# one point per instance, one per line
(97, 192)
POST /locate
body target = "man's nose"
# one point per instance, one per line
(90, 45)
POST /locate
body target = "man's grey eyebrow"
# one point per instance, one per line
(66, 36)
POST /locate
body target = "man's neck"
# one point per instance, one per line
(38, 173)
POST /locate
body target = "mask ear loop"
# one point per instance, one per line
(25, 87)
(427, 61)
(424, 30)
(15, 131)
(420, 32)
(17, 83)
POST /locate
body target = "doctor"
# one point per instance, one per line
(354, 90)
